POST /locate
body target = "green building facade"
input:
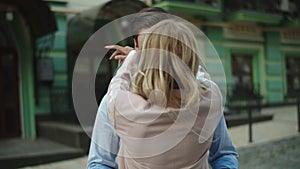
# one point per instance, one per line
(257, 42)
(51, 95)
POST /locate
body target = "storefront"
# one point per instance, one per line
(22, 23)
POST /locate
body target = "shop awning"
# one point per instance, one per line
(84, 24)
(37, 14)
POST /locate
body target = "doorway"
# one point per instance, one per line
(10, 121)
(292, 74)
(243, 85)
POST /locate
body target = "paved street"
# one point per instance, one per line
(78, 163)
(276, 144)
(280, 154)
(284, 124)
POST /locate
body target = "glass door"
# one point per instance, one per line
(242, 75)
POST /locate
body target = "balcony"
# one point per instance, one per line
(253, 11)
(202, 8)
(292, 19)
(293, 23)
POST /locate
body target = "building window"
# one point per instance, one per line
(191, 1)
(202, 2)
(269, 6)
(292, 36)
(293, 74)
(242, 75)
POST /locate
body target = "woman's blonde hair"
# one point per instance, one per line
(168, 61)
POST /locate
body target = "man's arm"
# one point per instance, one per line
(222, 153)
(105, 143)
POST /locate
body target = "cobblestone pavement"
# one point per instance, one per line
(280, 154)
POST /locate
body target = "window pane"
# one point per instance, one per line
(293, 73)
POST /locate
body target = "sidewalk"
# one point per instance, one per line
(23, 152)
(284, 124)
(276, 144)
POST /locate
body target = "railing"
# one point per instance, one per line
(244, 98)
(298, 112)
(243, 95)
(214, 3)
(269, 6)
(289, 9)
(60, 102)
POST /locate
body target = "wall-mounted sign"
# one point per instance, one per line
(45, 69)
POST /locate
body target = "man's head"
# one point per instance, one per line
(145, 19)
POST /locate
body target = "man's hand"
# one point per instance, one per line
(120, 53)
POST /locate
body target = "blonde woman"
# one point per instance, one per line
(164, 116)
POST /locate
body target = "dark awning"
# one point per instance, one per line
(37, 14)
(84, 24)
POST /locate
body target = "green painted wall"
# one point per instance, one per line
(58, 54)
(226, 47)
(274, 68)
(26, 75)
(269, 54)
(268, 63)
(213, 62)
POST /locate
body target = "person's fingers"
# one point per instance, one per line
(120, 62)
(128, 49)
(121, 49)
(114, 54)
(113, 47)
(120, 57)
(120, 53)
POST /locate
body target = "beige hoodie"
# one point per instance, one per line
(156, 138)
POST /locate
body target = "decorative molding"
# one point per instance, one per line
(292, 37)
(234, 45)
(243, 32)
(290, 49)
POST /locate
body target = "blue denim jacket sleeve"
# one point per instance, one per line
(105, 143)
(222, 153)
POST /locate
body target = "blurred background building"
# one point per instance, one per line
(257, 41)
(24, 25)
